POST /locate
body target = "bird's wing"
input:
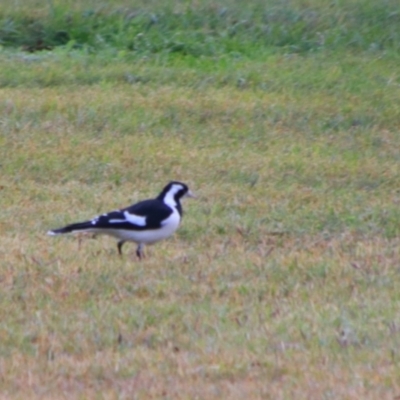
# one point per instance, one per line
(148, 214)
(154, 213)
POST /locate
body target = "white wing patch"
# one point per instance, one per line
(116, 221)
(135, 219)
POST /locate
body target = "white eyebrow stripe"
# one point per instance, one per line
(135, 219)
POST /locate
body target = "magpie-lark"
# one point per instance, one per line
(146, 222)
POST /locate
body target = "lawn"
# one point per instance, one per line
(283, 280)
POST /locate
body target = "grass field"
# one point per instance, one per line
(283, 280)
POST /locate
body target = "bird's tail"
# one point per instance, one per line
(79, 227)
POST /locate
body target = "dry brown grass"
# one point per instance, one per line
(282, 282)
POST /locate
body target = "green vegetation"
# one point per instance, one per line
(208, 28)
(282, 281)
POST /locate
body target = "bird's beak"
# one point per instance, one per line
(190, 194)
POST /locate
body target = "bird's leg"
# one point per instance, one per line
(139, 251)
(120, 244)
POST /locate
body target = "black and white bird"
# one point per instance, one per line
(146, 222)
